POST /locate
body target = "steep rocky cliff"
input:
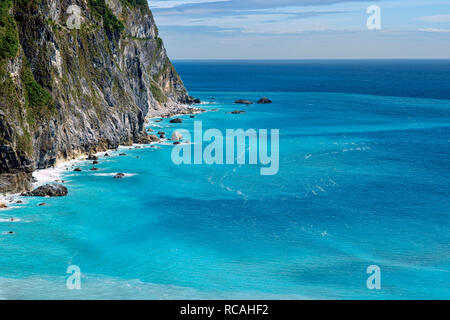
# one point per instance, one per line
(66, 91)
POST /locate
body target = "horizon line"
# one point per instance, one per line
(300, 59)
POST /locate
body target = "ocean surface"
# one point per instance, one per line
(364, 179)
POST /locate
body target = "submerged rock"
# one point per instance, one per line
(47, 190)
(236, 112)
(77, 170)
(264, 101)
(3, 206)
(119, 176)
(95, 162)
(94, 169)
(161, 132)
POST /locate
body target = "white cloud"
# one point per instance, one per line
(436, 18)
(435, 30)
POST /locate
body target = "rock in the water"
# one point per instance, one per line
(161, 132)
(236, 112)
(264, 101)
(243, 101)
(119, 176)
(77, 170)
(47, 190)
(92, 157)
(192, 100)
(42, 204)
(176, 120)
(192, 117)
(95, 162)
(176, 136)
(3, 206)
(177, 143)
(106, 155)
(122, 154)
(153, 138)
(163, 136)
(149, 130)
(94, 169)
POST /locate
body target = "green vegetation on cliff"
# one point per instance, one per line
(134, 3)
(157, 93)
(110, 22)
(9, 39)
(39, 101)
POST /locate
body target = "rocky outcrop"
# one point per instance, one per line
(66, 92)
(48, 190)
(264, 101)
(243, 101)
(176, 120)
(192, 100)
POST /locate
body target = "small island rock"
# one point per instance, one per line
(243, 101)
(47, 190)
(264, 101)
(176, 120)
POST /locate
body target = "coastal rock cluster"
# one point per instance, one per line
(66, 92)
(248, 102)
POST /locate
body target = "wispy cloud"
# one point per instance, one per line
(436, 18)
(435, 30)
(301, 28)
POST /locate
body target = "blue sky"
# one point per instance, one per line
(302, 29)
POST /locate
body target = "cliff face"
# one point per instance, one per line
(67, 91)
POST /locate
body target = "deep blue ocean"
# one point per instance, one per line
(364, 179)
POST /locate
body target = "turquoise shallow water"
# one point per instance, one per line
(363, 180)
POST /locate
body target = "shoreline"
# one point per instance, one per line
(54, 173)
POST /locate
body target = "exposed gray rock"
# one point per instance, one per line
(47, 190)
